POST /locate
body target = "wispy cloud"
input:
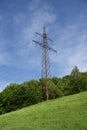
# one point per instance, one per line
(34, 5)
(72, 45)
(3, 84)
(26, 51)
(70, 40)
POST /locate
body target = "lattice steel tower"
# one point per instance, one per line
(45, 59)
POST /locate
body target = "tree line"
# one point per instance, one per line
(16, 96)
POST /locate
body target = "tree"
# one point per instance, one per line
(75, 72)
(78, 82)
(53, 90)
(16, 96)
(32, 91)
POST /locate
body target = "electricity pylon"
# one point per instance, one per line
(45, 59)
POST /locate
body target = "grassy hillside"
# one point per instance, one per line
(66, 113)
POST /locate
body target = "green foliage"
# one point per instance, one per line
(8, 97)
(66, 113)
(62, 84)
(32, 92)
(78, 84)
(53, 90)
(16, 96)
(78, 81)
(75, 72)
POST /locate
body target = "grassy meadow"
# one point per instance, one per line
(66, 113)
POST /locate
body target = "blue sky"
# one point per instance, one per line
(66, 25)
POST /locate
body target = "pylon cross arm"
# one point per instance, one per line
(45, 59)
(44, 46)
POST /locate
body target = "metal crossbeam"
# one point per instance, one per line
(44, 46)
(42, 36)
(45, 59)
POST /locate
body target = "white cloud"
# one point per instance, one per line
(3, 58)
(26, 51)
(3, 84)
(3, 53)
(70, 40)
(79, 57)
(72, 45)
(34, 4)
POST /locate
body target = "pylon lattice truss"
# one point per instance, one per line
(45, 59)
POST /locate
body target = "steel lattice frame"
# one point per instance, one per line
(45, 60)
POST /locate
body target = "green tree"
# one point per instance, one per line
(75, 72)
(16, 96)
(62, 84)
(78, 82)
(53, 90)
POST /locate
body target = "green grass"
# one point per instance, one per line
(66, 113)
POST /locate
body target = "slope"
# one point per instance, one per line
(66, 113)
